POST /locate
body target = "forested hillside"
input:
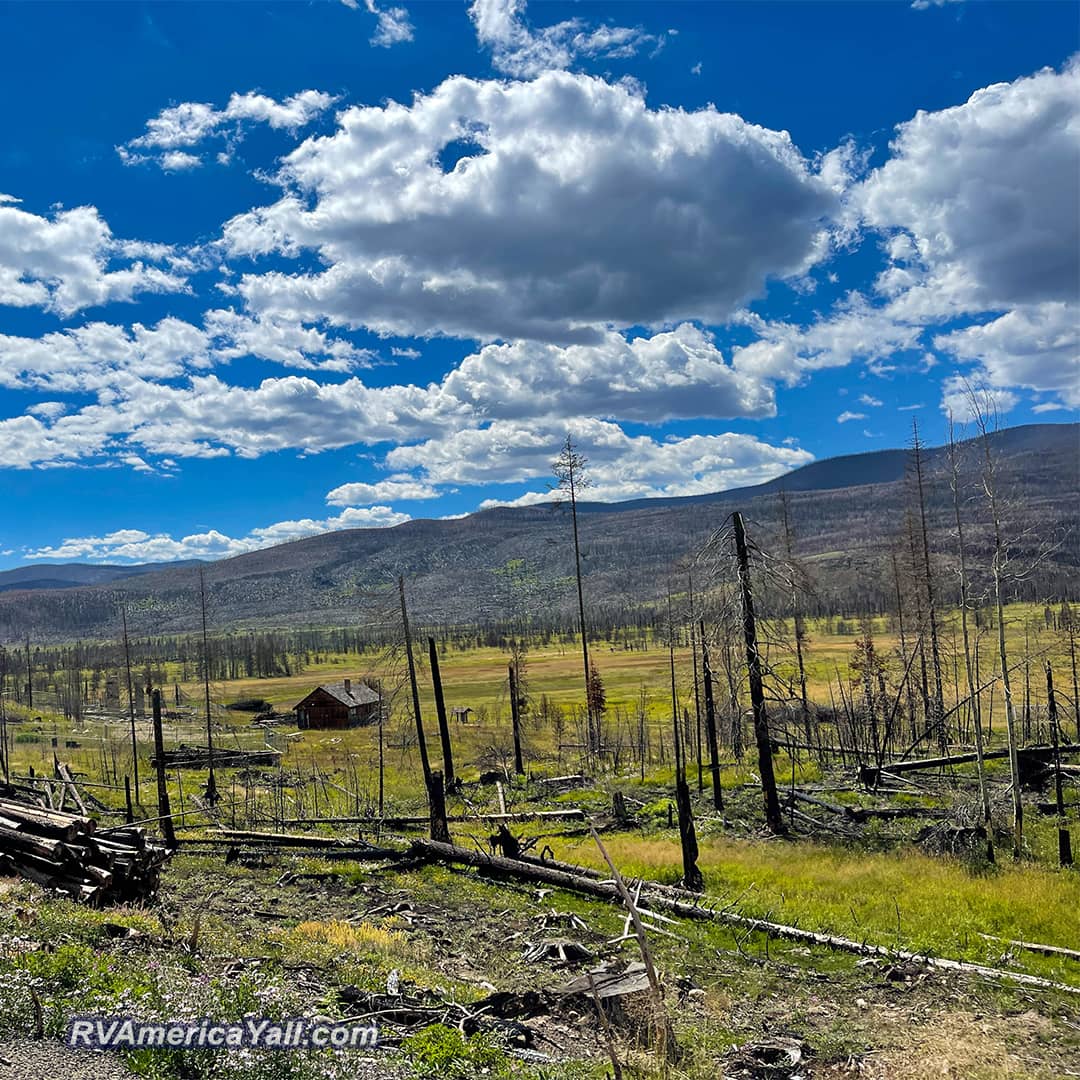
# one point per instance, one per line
(847, 517)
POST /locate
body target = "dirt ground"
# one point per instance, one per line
(853, 1018)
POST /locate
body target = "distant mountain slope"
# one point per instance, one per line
(875, 467)
(847, 514)
(74, 575)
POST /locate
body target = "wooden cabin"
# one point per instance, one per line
(338, 705)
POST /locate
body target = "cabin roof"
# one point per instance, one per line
(357, 694)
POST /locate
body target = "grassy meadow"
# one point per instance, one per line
(883, 888)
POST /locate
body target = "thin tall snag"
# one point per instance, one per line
(697, 687)
(131, 702)
(773, 814)
(515, 720)
(799, 628)
(163, 809)
(211, 785)
(997, 569)
(710, 721)
(1064, 840)
(935, 655)
(433, 781)
(692, 878)
(420, 740)
(568, 472)
(973, 698)
(440, 709)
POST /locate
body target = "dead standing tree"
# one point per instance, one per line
(131, 702)
(755, 666)
(569, 470)
(969, 670)
(710, 720)
(440, 710)
(799, 624)
(983, 412)
(433, 781)
(938, 702)
(515, 718)
(692, 877)
(1065, 856)
(211, 784)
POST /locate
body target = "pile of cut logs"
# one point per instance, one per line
(66, 852)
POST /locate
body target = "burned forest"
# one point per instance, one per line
(781, 812)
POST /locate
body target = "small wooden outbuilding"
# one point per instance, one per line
(338, 705)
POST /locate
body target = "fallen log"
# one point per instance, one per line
(870, 775)
(451, 853)
(290, 839)
(198, 757)
(1035, 947)
(866, 813)
(64, 774)
(569, 814)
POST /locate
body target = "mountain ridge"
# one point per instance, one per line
(458, 568)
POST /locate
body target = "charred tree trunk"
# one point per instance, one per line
(414, 686)
(1064, 840)
(440, 709)
(131, 701)
(692, 878)
(515, 720)
(440, 831)
(710, 721)
(163, 809)
(773, 815)
(935, 655)
(973, 696)
(211, 785)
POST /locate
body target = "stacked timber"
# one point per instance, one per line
(66, 852)
(198, 757)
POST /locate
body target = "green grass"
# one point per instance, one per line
(903, 899)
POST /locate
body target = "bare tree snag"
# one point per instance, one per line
(697, 685)
(799, 625)
(131, 700)
(515, 720)
(710, 721)
(163, 809)
(420, 740)
(692, 878)
(440, 709)
(973, 697)
(773, 814)
(568, 469)
(1065, 857)
(440, 831)
(211, 785)
(935, 655)
(997, 570)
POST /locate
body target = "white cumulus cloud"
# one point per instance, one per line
(519, 49)
(171, 135)
(71, 261)
(566, 203)
(137, 546)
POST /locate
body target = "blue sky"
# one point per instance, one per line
(271, 269)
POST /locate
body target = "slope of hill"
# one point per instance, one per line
(846, 512)
(74, 575)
